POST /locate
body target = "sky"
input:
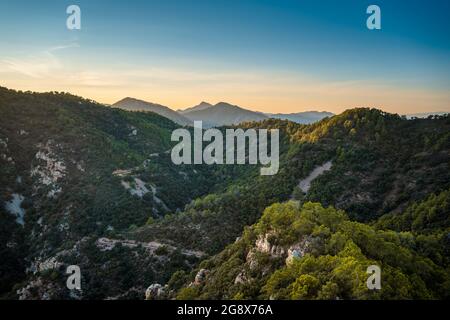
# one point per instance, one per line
(266, 55)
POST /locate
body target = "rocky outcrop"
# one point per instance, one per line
(299, 249)
(201, 276)
(49, 170)
(107, 244)
(296, 250)
(155, 292)
(40, 289)
(263, 244)
(241, 278)
(49, 264)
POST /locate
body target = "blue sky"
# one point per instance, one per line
(268, 55)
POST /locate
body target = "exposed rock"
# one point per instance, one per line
(253, 263)
(40, 289)
(25, 293)
(155, 292)
(200, 277)
(49, 169)
(106, 244)
(122, 173)
(48, 264)
(63, 226)
(305, 184)
(250, 259)
(263, 245)
(14, 207)
(138, 187)
(80, 167)
(298, 250)
(133, 132)
(54, 192)
(241, 278)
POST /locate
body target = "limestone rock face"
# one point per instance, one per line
(241, 278)
(49, 264)
(40, 289)
(299, 249)
(263, 244)
(251, 260)
(200, 277)
(296, 250)
(155, 292)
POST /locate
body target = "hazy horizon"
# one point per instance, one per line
(267, 56)
(412, 114)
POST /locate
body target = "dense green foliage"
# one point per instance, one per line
(335, 255)
(429, 216)
(388, 164)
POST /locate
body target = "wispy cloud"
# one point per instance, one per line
(180, 86)
(65, 46)
(41, 65)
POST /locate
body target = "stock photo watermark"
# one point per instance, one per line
(73, 21)
(74, 280)
(235, 147)
(374, 280)
(374, 20)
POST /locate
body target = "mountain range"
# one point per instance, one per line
(225, 114)
(220, 114)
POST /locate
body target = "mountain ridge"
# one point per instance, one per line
(201, 106)
(223, 114)
(133, 104)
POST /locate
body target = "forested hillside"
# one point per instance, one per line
(73, 171)
(85, 184)
(312, 252)
(381, 164)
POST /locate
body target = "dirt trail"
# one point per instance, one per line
(305, 184)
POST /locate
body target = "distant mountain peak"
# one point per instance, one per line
(201, 106)
(133, 104)
(135, 100)
(227, 105)
(221, 114)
